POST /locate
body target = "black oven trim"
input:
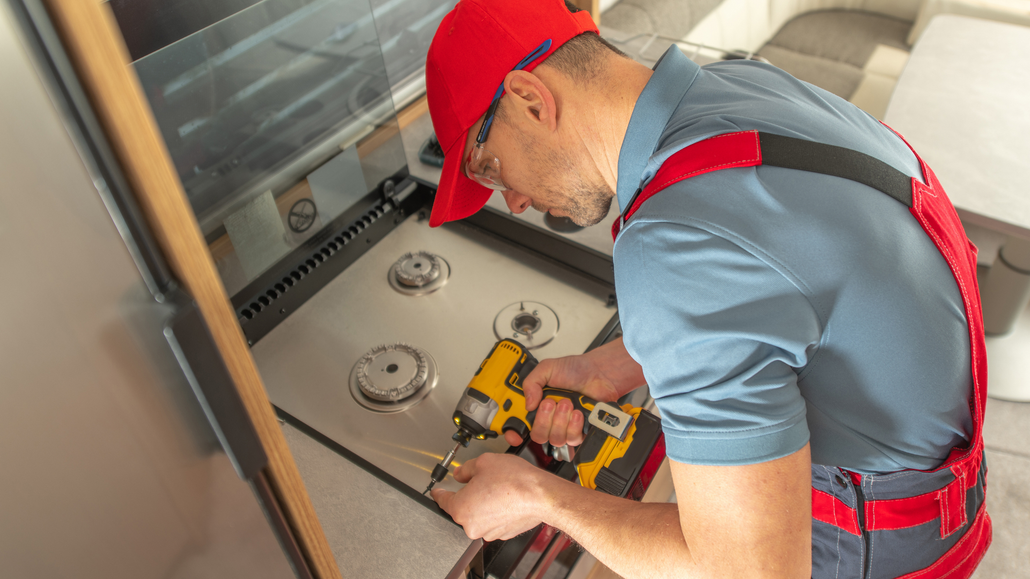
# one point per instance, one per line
(277, 293)
(500, 557)
(365, 465)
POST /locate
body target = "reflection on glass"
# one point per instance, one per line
(406, 28)
(240, 101)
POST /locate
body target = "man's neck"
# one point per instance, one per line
(605, 111)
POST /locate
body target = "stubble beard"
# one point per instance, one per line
(585, 203)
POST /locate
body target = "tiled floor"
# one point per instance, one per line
(1007, 426)
(1007, 435)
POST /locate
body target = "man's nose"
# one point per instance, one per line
(516, 202)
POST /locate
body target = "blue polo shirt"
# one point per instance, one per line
(771, 307)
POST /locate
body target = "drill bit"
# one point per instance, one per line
(440, 470)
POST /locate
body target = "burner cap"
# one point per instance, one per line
(419, 273)
(393, 377)
(531, 323)
(416, 269)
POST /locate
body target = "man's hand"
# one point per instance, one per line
(604, 374)
(730, 521)
(501, 499)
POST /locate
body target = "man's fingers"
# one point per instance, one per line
(443, 498)
(512, 439)
(465, 472)
(533, 385)
(560, 424)
(542, 425)
(575, 429)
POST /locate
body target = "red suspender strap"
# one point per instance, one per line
(935, 213)
(721, 152)
(751, 148)
(931, 208)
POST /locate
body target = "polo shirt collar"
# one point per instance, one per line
(673, 75)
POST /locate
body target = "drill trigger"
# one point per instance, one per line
(520, 427)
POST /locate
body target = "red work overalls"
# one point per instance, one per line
(912, 524)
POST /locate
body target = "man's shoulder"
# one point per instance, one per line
(744, 95)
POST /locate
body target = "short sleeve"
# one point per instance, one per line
(721, 335)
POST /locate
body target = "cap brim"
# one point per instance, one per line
(457, 196)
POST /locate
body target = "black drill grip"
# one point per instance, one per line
(581, 403)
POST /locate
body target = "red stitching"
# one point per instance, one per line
(712, 167)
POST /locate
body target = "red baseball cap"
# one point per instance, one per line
(476, 46)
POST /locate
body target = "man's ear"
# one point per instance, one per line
(532, 100)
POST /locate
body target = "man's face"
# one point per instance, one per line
(545, 173)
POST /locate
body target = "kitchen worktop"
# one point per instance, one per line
(373, 529)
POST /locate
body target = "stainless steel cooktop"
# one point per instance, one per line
(376, 360)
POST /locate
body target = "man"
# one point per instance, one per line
(813, 344)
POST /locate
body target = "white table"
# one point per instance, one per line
(1011, 11)
(963, 102)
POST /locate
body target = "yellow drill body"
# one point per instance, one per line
(612, 454)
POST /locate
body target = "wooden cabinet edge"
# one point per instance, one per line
(98, 52)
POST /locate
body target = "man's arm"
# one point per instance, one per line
(730, 521)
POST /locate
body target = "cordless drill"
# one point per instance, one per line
(621, 449)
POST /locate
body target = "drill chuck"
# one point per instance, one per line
(439, 473)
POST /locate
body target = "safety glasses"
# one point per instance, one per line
(482, 166)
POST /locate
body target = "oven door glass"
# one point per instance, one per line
(253, 97)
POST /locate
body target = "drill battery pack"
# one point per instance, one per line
(623, 468)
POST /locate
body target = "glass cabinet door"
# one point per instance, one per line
(278, 114)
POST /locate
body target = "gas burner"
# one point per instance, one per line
(393, 377)
(561, 224)
(419, 273)
(531, 323)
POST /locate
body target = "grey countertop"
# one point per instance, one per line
(374, 530)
